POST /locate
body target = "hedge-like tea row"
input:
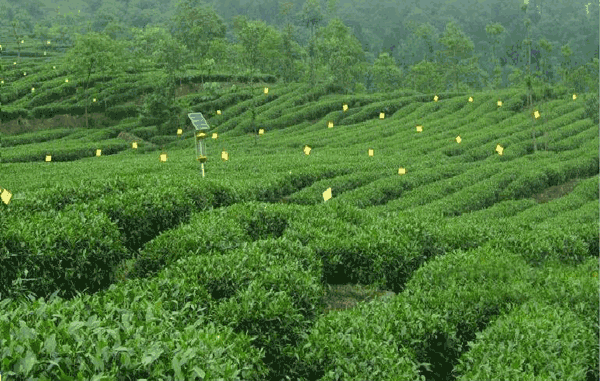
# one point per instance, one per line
(131, 331)
(364, 249)
(574, 141)
(356, 345)
(426, 185)
(542, 244)
(35, 137)
(533, 342)
(502, 209)
(217, 230)
(553, 286)
(61, 195)
(233, 289)
(536, 179)
(475, 197)
(586, 214)
(70, 251)
(61, 150)
(313, 194)
(145, 132)
(443, 305)
(141, 214)
(585, 191)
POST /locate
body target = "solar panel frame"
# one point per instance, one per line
(198, 121)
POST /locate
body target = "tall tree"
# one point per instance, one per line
(105, 14)
(271, 55)
(458, 46)
(93, 53)
(494, 31)
(566, 53)
(332, 8)
(145, 41)
(387, 76)
(341, 53)
(547, 47)
(427, 32)
(311, 16)
(528, 79)
(426, 77)
(287, 42)
(21, 26)
(63, 28)
(527, 42)
(196, 26)
(171, 55)
(250, 34)
(145, 12)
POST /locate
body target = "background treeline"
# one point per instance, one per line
(361, 45)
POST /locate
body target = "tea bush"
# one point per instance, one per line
(532, 342)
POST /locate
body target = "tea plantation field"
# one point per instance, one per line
(125, 267)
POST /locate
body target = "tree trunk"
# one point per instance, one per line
(534, 142)
(86, 106)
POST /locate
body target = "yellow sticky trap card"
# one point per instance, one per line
(499, 103)
(574, 96)
(306, 150)
(261, 132)
(66, 80)
(381, 115)
(218, 112)
(179, 131)
(499, 149)
(214, 135)
(327, 194)
(458, 139)
(401, 171)
(6, 196)
(98, 152)
(536, 114)
(134, 145)
(266, 90)
(345, 107)
(419, 128)
(224, 156)
(48, 158)
(33, 89)
(163, 157)
(330, 124)
(370, 152)
(94, 99)
(470, 99)
(435, 99)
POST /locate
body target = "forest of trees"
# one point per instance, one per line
(362, 46)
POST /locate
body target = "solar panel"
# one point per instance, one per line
(198, 121)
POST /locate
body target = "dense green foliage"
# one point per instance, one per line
(125, 267)
(243, 258)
